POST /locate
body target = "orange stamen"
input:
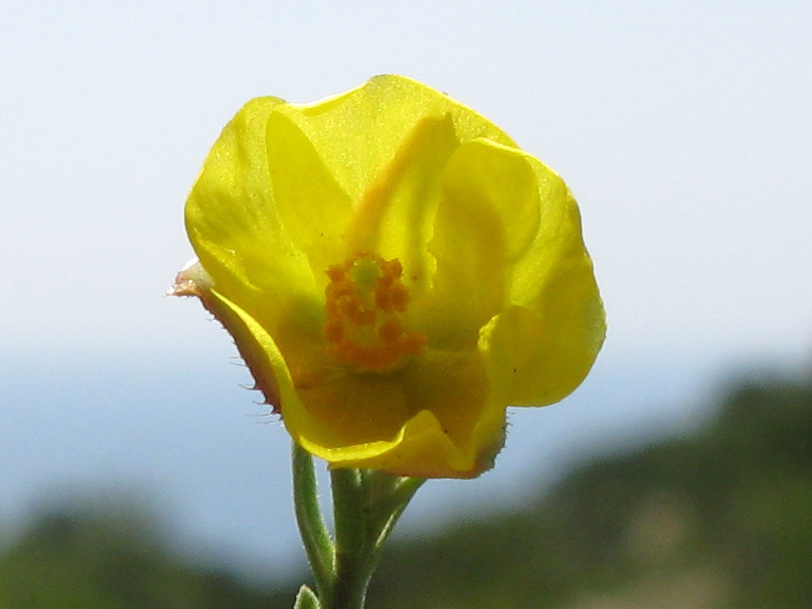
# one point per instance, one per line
(365, 300)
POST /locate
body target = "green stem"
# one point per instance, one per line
(366, 506)
(353, 570)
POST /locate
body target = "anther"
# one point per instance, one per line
(364, 303)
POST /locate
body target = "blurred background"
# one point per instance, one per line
(683, 129)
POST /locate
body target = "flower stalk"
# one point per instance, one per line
(366, 506)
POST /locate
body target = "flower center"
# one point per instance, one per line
(365, 303)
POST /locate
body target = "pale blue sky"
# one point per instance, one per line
(683, 128)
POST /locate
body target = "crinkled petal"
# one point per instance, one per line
(455, 386)
(421, 449)
(433, 418)
(546, 340)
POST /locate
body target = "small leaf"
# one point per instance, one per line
(305, 599)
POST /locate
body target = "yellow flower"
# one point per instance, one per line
(395, 271)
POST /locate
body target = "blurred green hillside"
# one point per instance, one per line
(114, 559)
(720, 519)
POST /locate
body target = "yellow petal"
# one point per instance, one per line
(433, 418)
(487, 217)
(257, 348)
(545, 341)
(312, 207)
(238, 233)
(394, 214)
(360, 132)
(385, 144)
(421, 450)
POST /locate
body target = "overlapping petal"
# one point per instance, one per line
(548, 336)
(359, 133)
(238, 231)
